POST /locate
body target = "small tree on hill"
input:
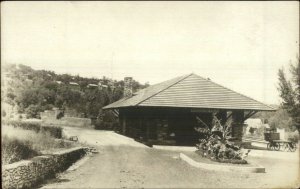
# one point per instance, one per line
(290, 92)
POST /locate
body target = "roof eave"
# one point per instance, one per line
(245, 109)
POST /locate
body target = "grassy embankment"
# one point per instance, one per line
(18, 143)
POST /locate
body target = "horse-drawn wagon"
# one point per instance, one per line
(276, 144)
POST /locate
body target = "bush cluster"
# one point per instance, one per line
(221, 151)
(54, 131)
(215, 145)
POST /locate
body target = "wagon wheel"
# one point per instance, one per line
(276, 146)
(269, 146)
(272, 147)
(292, 147)
(286, 147)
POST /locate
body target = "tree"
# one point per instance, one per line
(117, 94)
(32, 111)
(290, 92)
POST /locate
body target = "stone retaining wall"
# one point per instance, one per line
(28, 173)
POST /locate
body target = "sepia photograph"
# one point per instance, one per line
(150, 94)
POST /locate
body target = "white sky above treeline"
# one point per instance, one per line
(240, 45)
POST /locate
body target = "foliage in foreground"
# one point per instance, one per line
(215, 145)
(18, 144)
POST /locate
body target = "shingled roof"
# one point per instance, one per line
(190, 91)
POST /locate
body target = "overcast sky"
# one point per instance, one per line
(240, 45)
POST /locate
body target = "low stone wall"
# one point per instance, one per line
(28, 173)
(69, 121)
(48, 115)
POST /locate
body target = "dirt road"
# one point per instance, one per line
(99, 137)
(134, 167)
(124, 163)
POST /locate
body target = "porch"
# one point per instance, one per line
(175, 126)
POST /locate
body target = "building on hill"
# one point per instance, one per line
(166, 113)
(74, 85)
(92, 86)
(104, 86)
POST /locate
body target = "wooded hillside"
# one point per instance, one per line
(32, 91)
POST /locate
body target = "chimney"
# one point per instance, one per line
(128, 87)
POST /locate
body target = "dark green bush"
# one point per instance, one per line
(54, 131)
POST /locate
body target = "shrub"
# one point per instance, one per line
(32, 111)
(54, 131)
(107, 121)
(293, 136)
(14, 150)
(214, 143)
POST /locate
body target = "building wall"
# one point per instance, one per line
(237, 124)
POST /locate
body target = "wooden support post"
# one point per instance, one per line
(140, 128)
(115, 112)
(147, 130)
(228, 117)
(124, 125)
(237, 124)
(222, 115)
